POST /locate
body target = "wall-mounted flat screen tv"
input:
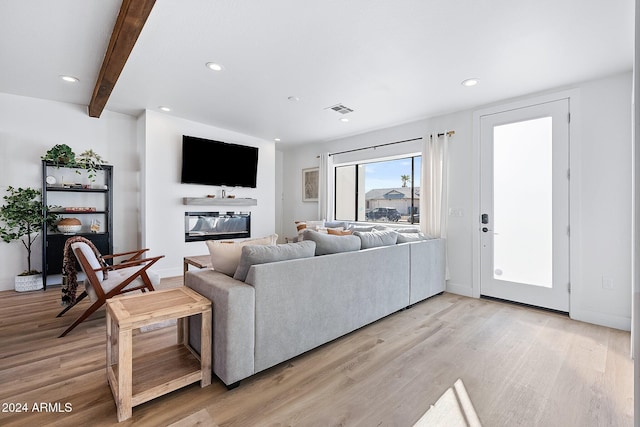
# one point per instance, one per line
(210, 162)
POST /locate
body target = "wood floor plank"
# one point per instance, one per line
(520, 366)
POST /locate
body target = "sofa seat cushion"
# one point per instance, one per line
(225, 254)
(332, 243)
(376, 238)
(262, 254)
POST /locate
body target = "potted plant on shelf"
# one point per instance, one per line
(60, 155)
(22, 217)
(91, 162)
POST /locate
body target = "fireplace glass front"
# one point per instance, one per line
(216, 225)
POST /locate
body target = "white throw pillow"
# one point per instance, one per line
(225, 254)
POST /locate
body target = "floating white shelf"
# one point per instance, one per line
(214, 201)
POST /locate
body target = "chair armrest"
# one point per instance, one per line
(136, 254)
(148, 261)
(125, 264)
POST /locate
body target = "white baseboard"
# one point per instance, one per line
(602, 319)
(458, 289)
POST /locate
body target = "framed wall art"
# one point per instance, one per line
(310, 184)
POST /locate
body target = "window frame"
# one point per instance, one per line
(364, 161)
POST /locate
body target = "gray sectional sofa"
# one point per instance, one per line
(285, 308)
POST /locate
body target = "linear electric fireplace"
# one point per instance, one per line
(216, 225)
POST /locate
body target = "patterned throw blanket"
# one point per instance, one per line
(69, 272)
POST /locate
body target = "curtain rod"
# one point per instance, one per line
(375, 146)
(449, 133)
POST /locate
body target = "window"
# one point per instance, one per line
(379, 190)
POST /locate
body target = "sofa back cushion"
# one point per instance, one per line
(331, 243)
(262, 254)
(375, 238)
(225, 254)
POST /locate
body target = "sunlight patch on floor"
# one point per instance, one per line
(453, 409)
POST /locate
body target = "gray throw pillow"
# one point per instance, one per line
(412, 237)
(408, 230)
(375, 238)
(336, 224)
(359, 228)
(262, 254)
(331, 243)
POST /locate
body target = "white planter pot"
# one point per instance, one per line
(28, 283)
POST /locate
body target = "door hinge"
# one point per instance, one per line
(569, 287)
(569, 230)
(568, 173)
(569, 117)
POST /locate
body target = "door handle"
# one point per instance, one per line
(485, 229)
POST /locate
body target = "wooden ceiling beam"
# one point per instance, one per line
(131, 19)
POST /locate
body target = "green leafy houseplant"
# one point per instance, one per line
(60, 155)
(22, 217)
(91, 162)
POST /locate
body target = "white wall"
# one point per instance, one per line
(162, 193)
(604, 192)
(605, 210)
(29, 127)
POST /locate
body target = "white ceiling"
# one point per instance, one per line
(391, 61)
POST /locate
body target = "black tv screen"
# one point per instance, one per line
(218, 163)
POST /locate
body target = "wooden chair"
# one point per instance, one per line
(131, 275)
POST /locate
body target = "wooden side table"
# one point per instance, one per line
(135, 381)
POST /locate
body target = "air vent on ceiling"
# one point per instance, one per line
(340, 109)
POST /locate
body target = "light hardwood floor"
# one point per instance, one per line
(520, 366)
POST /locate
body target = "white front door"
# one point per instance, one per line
(524, 205)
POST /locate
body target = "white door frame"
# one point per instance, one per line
(573, 95)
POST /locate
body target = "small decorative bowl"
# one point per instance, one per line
(69, 225)
(69, 229)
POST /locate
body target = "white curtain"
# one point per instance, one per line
(325, 201)
(433, 188)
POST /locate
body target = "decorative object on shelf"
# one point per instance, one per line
(22, 216)
(51, 180)
(75, 209)
(310, 184)
(69, 225)
(60, 155)
(95, 226)
(91, 162)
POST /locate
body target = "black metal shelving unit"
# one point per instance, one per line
(53, 242)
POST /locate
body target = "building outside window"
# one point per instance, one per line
(379, 190)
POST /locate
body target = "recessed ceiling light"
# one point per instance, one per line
(214, 66)
(470, 82)
(70, 79)
(276, 139)
(344, 120)
(293, 98)
(163, 108)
